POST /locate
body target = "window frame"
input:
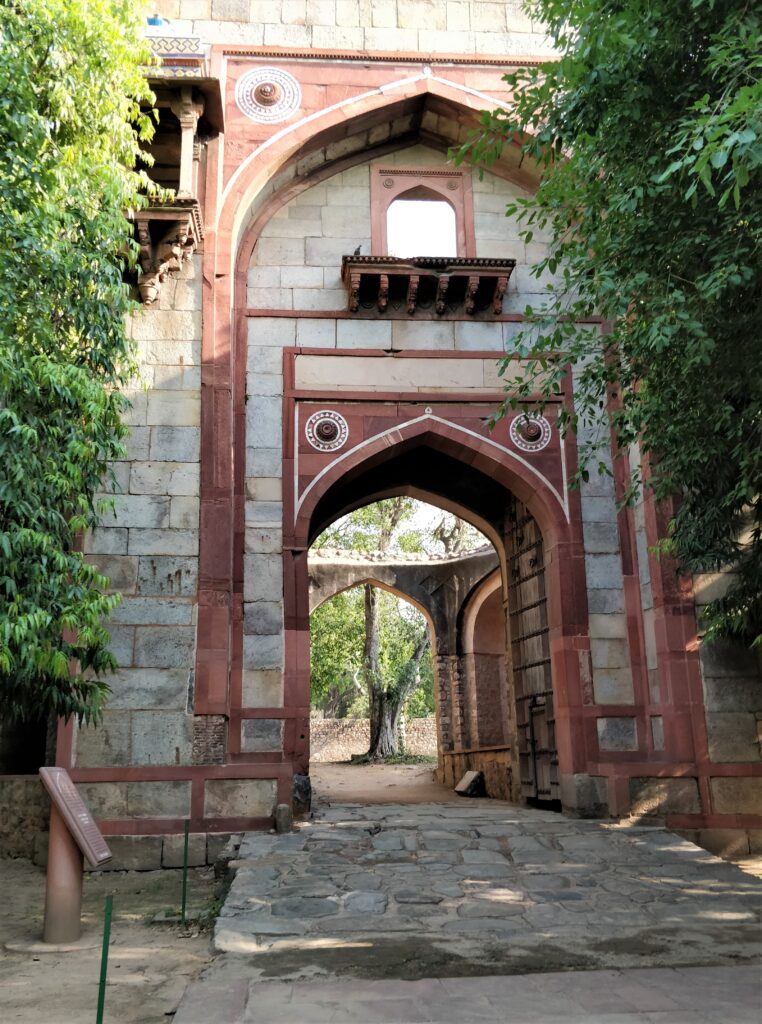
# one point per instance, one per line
(453, 185)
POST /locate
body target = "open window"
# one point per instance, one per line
(421, 211)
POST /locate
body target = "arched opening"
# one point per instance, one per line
(485, 736)
(421, 223)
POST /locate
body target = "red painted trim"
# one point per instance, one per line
(171, 826)
(286, 53)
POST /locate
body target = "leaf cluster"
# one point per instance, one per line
(647, 132)
(70, 131)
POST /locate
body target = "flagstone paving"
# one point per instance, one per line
(467, 892)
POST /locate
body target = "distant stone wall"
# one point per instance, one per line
(337, 739)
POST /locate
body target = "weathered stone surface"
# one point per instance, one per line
(239, 798)
(163, 542)
(261, 734)
(365, 902)
(136, 688)
(737, 796)
(175, 443)
(134, 853)
(108, 743)
(263, 652)
(161, 737)
(162, 575)
(733, 736)
(165, 646)
(263, 617)
(169, 799)
(652, 796)
(262, 688)
(172, 850)
(617, 733)
(105, 799)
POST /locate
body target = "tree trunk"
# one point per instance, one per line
(370, 667)
(387, 706)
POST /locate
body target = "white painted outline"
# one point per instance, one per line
(563, 502)
(380, 90)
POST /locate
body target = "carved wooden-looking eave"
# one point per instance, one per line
(168, 234)
(443, 285)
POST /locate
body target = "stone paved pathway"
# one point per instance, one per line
(458, 894)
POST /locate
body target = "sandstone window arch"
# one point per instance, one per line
(390, 185)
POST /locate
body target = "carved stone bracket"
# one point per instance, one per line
(444, 287)
(168, 234)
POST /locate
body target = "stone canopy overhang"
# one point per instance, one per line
(445, 286)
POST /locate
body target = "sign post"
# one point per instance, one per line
(73, 835)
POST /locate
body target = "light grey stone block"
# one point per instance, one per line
(268, 513)
(134, 853)
(261, 734)
(651, 796)
(264, 422)
(104, 799)
(240, 798)
(163, 575)
(121, 571)
(151, 688)
(266, 462)
(175, 443)
(733, 736)
(107, 744)
(316, 333)
(184, 512)
(164, 478)
(263, 617)
(364, 334)
(161, 737)
(263, 578)
(165, 799)
(148, 611)
(107, 541)
(263, 540)
(262, 688)
(172, 850)
(617, 734)
(263, 651)
(163, 542)
(138, 510)
(165, 646)
(613, 686)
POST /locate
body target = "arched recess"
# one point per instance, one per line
(291, 160)
(484, 645)
(427, 611)
(466, 475)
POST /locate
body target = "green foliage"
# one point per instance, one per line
(648, 133)
(70, 128)
(337, 636)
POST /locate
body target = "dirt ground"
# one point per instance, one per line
(149, 964)
(378, 784)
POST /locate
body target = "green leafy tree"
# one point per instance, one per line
(648, 135)
(70, 130)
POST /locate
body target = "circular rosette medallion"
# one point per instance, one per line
(268, 95)
(530, 431)
(326, 430)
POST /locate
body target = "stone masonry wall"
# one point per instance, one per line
(296, 265)
(397, 26)
(149, 550)
(337, 739)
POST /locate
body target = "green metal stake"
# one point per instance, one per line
(185, 870)
(104, 959)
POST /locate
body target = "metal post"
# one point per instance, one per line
(185, 870)
(104, 959)
(63, 898)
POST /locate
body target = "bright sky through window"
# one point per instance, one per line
(421, 227)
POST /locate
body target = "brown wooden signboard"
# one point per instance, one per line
(77, 817)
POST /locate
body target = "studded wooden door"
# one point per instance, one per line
(530, 656)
